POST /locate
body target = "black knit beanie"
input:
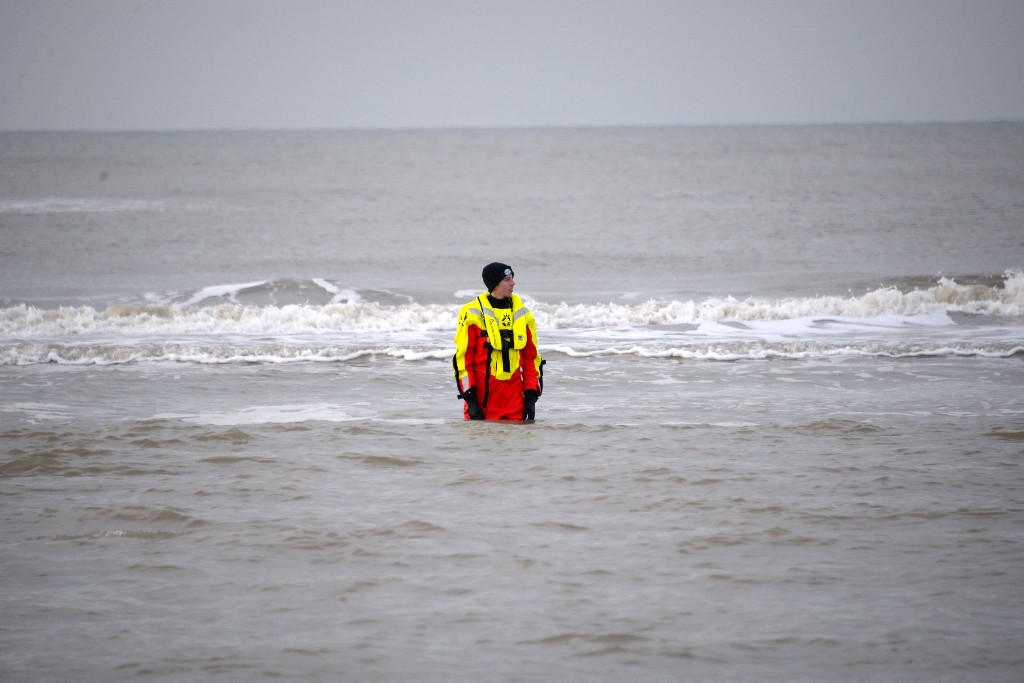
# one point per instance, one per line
(495, 273)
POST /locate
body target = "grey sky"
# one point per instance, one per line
(172, 64)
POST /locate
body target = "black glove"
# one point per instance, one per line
(475, 411)
(530, 397)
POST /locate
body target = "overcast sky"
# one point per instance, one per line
(187, 64)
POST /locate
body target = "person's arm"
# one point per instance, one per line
(467, 352)
(461, 348)
(531, 359)
(531, 372)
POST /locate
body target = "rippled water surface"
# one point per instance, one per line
(793, 521)
(781, 437)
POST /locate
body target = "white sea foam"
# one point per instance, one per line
(207, 353)
(76, 205)
(229, 292)
(225, 318)
(947, 295)
(292, 413)
(713, 350)
(225, 330)
(273, 414)
(37, 411)
(337, 293)
(224, 314)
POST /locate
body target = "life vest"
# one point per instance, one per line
(505, 329)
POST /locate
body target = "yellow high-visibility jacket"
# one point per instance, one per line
(496, 343)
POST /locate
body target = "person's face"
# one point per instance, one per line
(504, 288)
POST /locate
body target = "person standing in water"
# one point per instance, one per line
(496, 364)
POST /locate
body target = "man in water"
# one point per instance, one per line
(496, 364)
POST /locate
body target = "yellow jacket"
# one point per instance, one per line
(511, 333)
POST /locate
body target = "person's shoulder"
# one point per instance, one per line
(470, 309)
(517, 302)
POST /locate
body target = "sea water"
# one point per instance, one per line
(781, 436)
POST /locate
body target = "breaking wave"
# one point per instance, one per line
(301, 321)
(223, 310)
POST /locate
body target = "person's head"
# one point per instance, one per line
(499, 279)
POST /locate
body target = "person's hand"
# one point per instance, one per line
(530, 397)
(475, 411)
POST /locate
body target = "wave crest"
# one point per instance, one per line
(946, 295)
(348, 312)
